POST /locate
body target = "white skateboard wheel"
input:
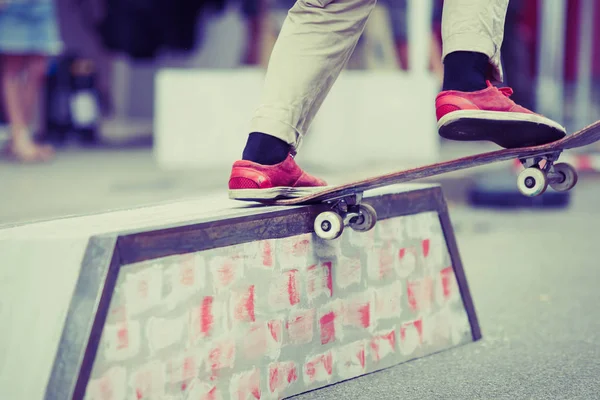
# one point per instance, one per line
(329, 225)
(532, 182)
(570, 177)
(366, 220)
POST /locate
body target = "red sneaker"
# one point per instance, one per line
(252, 181)
(490, 114)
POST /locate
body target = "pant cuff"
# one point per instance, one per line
(275, 128)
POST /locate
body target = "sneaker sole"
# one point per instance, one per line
(508, 130)
(282, 192)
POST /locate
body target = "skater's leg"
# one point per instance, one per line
(470, 107)
(315, 43)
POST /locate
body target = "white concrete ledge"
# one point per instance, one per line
(210, 295)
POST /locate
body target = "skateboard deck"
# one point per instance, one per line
(529, 156)
(345, 207)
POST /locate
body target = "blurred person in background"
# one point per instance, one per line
(317, 39)
(398, 12)
(28, 36)
(272, 14)
(516, 58)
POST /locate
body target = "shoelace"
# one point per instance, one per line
(506, 91)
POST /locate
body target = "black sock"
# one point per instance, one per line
(465, 71)
(265, 149)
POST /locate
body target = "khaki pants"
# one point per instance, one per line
(317, 39)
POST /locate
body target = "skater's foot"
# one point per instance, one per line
(489, 114)
(250, 180)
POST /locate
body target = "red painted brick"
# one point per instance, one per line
(300, 326)
(281, 375)
(318, 368)
(319, 280)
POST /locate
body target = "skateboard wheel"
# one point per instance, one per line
(329, 225)
(532, 182)
(366, 220)
(570, 177)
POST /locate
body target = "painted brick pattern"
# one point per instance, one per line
(270, 319)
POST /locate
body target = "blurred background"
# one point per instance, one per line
(130, 102)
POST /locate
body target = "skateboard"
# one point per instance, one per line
(540, 171)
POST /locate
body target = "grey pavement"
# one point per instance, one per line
(533, 275)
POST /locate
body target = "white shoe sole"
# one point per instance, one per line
(498, 116)
(274, 193)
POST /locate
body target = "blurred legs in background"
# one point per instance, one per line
(28, 36)
(22, 80)
(516, 58)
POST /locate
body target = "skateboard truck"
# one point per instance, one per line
(539, 173)
(535, 178)
(345, 211)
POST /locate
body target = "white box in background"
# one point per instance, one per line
(202, 116)
(202, 119)
(385, 117)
